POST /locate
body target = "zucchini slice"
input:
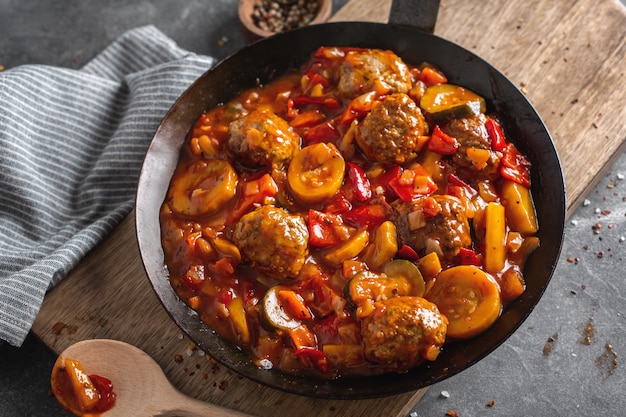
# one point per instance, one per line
(273, 314)
(443, 102)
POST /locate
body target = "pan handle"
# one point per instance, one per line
(421, 14)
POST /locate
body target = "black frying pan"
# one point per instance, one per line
(265, 60)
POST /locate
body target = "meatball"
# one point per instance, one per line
(273, 241)
(470, 132)
(402, 332)
(263, 139)
(389, 134)
(379, 70)
(447, 232)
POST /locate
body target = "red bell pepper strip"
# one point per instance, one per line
(430, 207)
(315, 356)
(225, 296)
(455, 180)
(327, 329)
(331, 103)
(358, 108)
(358, 182)
(408, 253)
(254, 192)
(194, 277)
(323, 228)
(369, 216)
(338, 204)
(515, 166)
(104, 386)
(322, 132)
(442, 143)
(329, 52)
(469, 257)
(431, 76)
(413, 183)
(307, 119)
(334, 52)
(316, 78)
(498, 140)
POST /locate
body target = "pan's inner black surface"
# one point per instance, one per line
(267, 59)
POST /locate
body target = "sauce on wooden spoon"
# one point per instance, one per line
(139, 387)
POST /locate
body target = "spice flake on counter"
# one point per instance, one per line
(550, 343)
(607, 361)
(588, 333)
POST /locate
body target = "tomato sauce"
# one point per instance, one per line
(300, 207)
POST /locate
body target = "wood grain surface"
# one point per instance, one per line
(569, 57)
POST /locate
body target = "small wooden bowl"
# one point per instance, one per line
(253, 32)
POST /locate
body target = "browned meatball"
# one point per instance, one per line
(389, 134)
(273, 241)
(447, 232)
(403, 332)
(262, 139)
(471, 133)
(373, 70)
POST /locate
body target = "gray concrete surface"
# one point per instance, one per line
(545, 369)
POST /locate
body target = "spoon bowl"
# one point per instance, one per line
(141, 387)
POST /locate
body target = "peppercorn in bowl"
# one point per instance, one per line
(263, 18)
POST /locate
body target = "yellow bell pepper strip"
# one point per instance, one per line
(383, 247)
(238, 318)
(442, 143)
(520, 209)
(515, 166)
(498, 140)
(495, 238)
(83, 388)
(429, 265)
(348, 249)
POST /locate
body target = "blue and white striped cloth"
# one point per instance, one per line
(71, 147)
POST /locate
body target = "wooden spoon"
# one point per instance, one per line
(141, 387)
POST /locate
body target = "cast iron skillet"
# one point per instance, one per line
(268, 59)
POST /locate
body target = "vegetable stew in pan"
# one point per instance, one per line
(350, 218)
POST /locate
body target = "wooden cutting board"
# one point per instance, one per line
(569, 57)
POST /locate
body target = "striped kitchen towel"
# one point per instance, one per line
(71, 147)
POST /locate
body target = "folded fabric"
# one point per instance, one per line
(71, 147)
